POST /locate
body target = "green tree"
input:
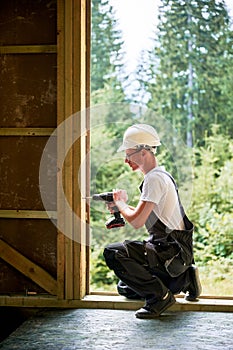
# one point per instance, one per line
(107, 75)
(107, 56)
(212, 208)
(108, 114)
(187, 75)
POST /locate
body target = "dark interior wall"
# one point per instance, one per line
(28, 98)
(28, 22)
(28, 90)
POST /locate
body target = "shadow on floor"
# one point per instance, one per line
(11, 318)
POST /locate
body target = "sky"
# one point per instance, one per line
(137, 21)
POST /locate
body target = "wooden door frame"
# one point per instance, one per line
(73, 51)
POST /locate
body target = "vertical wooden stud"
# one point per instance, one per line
(72, 92)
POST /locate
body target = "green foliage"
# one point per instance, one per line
(212, 206)
(187, 74)
(211, 211)
(213, 237)
(107, 55)
(187, 78)
(216, 277)
(100, 274)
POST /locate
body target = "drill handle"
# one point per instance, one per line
(117, 214)
(115, 210)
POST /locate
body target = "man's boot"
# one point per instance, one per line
(193, 291)
(154, 310)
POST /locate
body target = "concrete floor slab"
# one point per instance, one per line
(101, 329)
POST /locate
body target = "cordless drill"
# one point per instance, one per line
(117, 221)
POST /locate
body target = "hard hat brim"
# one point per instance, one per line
(123, 147)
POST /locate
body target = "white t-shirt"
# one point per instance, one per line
(159, 189)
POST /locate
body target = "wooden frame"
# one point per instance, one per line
(72, 77)
(105, 301)
(72, 50)
(71, 288)
(28, 214)
(28, 268)
(26, 131)
(16, 49)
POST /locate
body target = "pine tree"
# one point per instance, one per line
(108, 100)
(189, 68)
(106, 55)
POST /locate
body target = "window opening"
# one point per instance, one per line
(169, 85)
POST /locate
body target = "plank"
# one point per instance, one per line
(26, 131)
(60, 149)
(16, 49)
(114, 302)
(71, 99)
(27, 214)
(28, 268)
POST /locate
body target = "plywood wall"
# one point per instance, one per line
(34, 69)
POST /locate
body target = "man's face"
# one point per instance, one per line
(132, 158)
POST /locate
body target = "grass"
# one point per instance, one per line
(216, 278)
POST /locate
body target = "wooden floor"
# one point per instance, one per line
(103, 329)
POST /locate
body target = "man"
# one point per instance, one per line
(161, 266)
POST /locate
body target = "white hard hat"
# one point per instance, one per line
(139, 134)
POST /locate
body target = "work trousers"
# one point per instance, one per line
(129, 260)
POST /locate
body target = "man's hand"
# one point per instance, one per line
(120, 195)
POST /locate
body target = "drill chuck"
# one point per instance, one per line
(105, 196)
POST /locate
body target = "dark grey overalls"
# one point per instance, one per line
(151, 267)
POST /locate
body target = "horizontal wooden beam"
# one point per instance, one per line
(26, 131)
(28, 268)
(27, 214)
(113, 302)
(16, 49)
(178, 296)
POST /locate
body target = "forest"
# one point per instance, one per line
(184, 88)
